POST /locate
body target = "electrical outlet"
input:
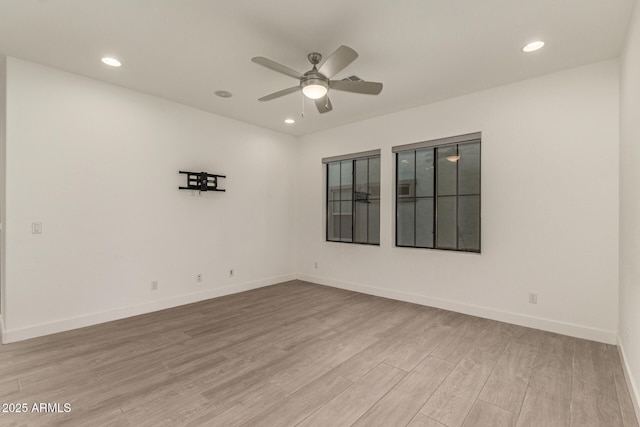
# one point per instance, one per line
(36, 228)
(154, 285)
(315, 265)
(533, 297)
(231, 272)
(199, 277)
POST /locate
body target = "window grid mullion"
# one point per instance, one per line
(397, 185)
(457, 245)
(367, 205)
(339, 216)
(326, 231)
(415, 199)
(435, 197)
(353, 198)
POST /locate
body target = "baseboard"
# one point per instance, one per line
(107, 316)
(1, 330)
(634, 391)
(578, 331)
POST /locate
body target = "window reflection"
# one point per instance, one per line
(353, 200)
(438, 197)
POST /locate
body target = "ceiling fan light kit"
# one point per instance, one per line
(315, 83)
(314, 88)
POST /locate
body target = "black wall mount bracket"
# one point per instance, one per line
(202, 181)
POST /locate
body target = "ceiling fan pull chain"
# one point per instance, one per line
(302, 114)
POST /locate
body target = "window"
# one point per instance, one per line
(353, 198)
(438, 194)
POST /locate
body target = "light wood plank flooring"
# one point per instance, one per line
(308, 355)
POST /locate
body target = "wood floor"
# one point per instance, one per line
(309, 355)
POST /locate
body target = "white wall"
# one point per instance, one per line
(98, 166)
(630, 204)
(549, 206)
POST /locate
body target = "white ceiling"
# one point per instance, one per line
(422, 50)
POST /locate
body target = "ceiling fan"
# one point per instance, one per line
(315, 83)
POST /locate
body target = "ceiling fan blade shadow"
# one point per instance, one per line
(276, 67)
(368, 88)
(338, 61)
(324, 104)
(280, 93)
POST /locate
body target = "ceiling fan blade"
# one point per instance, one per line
(338, 61)
(369, 88)
(276, 67)
(324, 104)
(280, 93)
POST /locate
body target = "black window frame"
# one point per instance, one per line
(456, 142)
(356, 196)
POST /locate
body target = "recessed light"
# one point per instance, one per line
(533, 46)
(289, 121)
(112, 62)
(223, 94)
